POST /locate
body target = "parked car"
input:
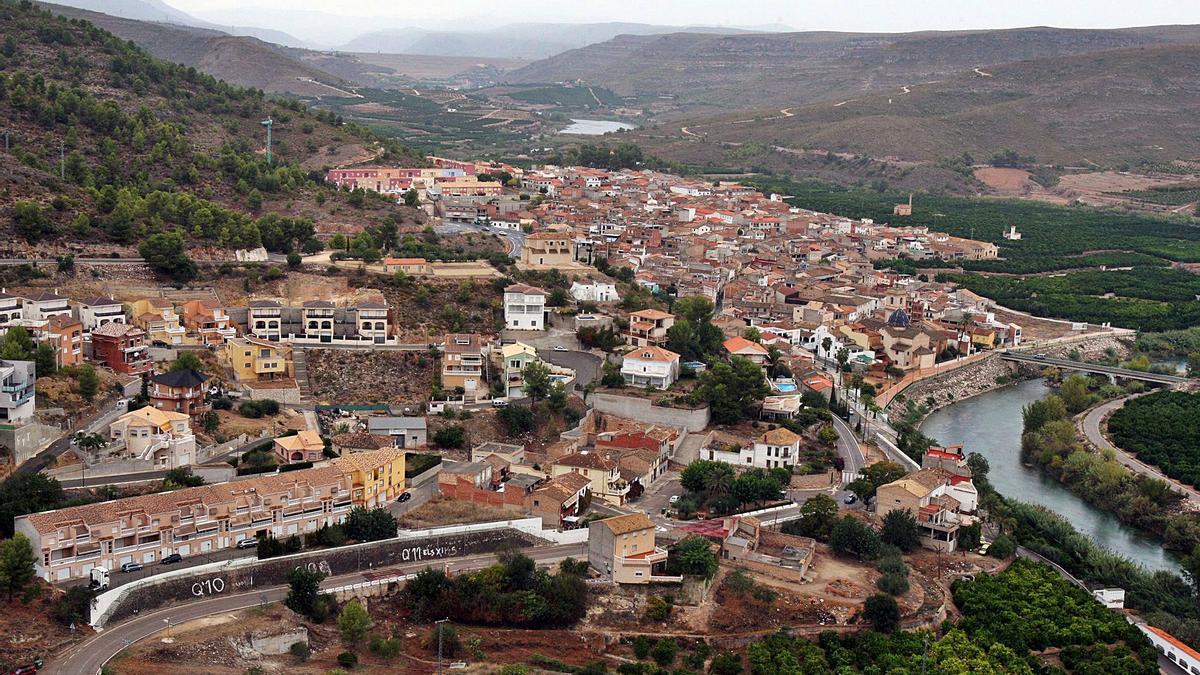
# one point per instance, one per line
(248, 543)
(131, 567)
(559, 348)
(673, 500)
(1039, 356)
(850, 499)
(499, 403)
(173, 558)
(404, 496)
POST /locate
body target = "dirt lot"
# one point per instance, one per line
(361, 377)
(441, 511)
(207, 646)
(28, 631)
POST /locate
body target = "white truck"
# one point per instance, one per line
(99, 578)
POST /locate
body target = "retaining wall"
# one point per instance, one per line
(643, 410)
(243, 575)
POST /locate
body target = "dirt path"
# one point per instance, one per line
(687, 132)
(981, 73)
(594, 96)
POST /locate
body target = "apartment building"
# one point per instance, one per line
(65, 335)
(69, 542)
(98, 311)
(252, 359)
(207, 321)
(121, 347)
(180, 391)
(623, 547)
(776, 448)
(462, 364)
(524, 307)
(161, 436)
(17, 387)
(649, 328)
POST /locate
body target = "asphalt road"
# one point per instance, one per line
(89, 656)
(585, 364)
(848, 446)
(96, 423)
(1092, 430)
(516, 238)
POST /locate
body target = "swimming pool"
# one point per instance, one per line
(786, 387)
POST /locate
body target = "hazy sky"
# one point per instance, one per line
(846, 15)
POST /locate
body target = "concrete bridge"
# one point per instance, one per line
(1111, 371)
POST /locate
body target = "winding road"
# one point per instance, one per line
(89, 656)
(1093, 429)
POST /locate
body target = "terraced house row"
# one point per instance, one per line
(69, 542)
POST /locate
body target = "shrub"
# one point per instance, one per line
(657, 609)
(641, 647)
(300, 650)
(1003, 547)
(347, 659)
(664, 651)
(386, 648)
(892, 584)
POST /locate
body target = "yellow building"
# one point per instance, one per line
(623, 547)
(252, 359)
(377, 478)
(158, 318)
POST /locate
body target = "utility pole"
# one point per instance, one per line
(439, 623)
(62, 160)
(268, 123)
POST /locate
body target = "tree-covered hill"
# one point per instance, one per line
(108, 145)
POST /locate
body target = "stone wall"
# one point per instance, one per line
(288, 395)
(643, 410)
(955, 385)
(333, 562)
(27, 440)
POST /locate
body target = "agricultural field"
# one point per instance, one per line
(1148, 299)
(1162, 429)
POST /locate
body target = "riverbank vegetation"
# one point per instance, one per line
(1051, 441)
(1162, 429)
(1167, 600)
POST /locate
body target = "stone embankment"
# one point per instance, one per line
(974, 379)
(955, 385)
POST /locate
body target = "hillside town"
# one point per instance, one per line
(674, 365)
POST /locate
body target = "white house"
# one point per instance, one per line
(776, 448)
(650, 367)
(524, 307)
(17, 395)
(595, 291)
(99, 311)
